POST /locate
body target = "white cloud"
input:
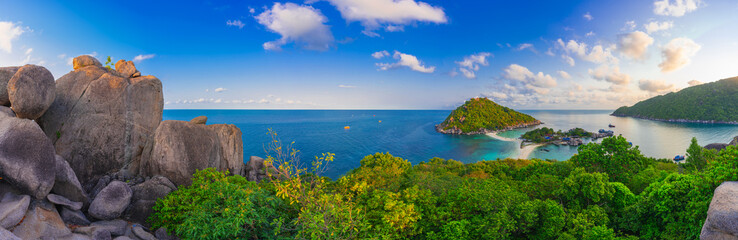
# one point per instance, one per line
(655, 86)
(140, 58)
(569, 60)
(597, 54)
(471, 63)
(694, 83)
(675, 8)
(346, 86)
(8, 33)
(392, 14)
(609, 74)
(677, 53)
(655, 26)
(252, 10)
(380, 54)
(522, 74)
(303, 25)
(235, 23)
(564, 75)
(524, 46)
(588, 16)
(629, 26)
(406, 60)
(635, 44)
(496, 95)
(590, 34)
(221, 89)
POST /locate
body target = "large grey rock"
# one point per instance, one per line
(200, 120)
(231, 145)
(31, 91)
(122, 238)
(66, 183)
(75, 217)
(6, 111)
(114, 227)
(84, 61)
(26, 157)
(125, 68)
(102, 235)
(6, 73)
(180, 148)
(7, 235)
(59, 200)
(111, 201)
(12, 209)
(41, 222)
(145, 196)
(162, 234)
(139, 232)
(101, 183)
(100, 122)
(722, 216)
(74, 236)
(256, 169)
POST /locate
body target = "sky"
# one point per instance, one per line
(387, 54)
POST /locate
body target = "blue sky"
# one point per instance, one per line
(388, 54)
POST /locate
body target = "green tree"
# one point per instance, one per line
(696, 159)
(614, 156)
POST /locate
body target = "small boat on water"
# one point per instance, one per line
(612, 126)
(347, 127)
(679, 158)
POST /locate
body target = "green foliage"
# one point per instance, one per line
(696, 159)
(109, 63)
(538, 135)
(217, 206)
(578, 132)
(615, 156)
(481, 114)
(716, 101)
(606, 191)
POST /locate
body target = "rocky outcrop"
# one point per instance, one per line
(200, 120)
(722, 216)
(100, 121)
(41, 220)
(6, 73)
(64, 202)
(12, 209)
(31, 91)
(66, 183)
(256, 169)
(7, 235)
(179, 148)
(231, 147)
(26, 157)
(720, 146)
(111, 201)
(6, 111)
(145, 196)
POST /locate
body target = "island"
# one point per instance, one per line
(572, 137)
(482, 116)
(715, 102)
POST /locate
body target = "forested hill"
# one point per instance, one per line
(481, 115)
(710, 102)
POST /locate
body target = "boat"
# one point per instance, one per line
(612, 126)
(679, 157)
(346, 127)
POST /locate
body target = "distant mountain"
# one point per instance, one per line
(715, 102)
(481, 115)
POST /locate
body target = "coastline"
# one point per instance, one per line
(676, 120)
(524, 152)
(456, 131)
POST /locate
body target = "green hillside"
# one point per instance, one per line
(709, 102)
(481, 115)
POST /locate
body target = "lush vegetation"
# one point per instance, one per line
(479, 115)
(606, 191)
(716, 101)
(538, 135)
(544, 134)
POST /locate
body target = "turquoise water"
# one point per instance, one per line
(410, 134)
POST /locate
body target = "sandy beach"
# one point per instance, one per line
(524, 152)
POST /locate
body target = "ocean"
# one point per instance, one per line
(411, 134)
